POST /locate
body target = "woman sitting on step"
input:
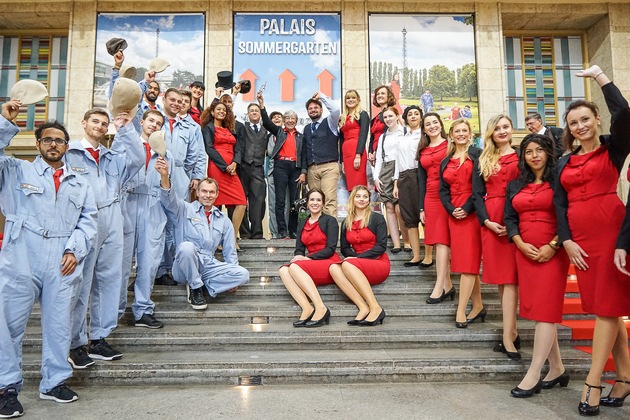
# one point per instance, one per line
(317, 235)
(363, 244)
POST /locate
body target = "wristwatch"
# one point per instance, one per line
(554, 245)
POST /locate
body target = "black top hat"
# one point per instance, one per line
(115, 44)
(225, 80)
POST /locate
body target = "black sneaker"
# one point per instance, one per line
(165, 280)
(9, 404)
(149, 321)
(101, 350)
(79, 358)
(61, 394)
(196, 298)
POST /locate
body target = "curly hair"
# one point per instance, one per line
(207, 117)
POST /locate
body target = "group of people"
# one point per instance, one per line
(550, 203)
(539, 208)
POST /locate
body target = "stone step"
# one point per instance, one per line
(378, 365)
(395, 333)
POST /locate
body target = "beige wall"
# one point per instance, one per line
(606, 25)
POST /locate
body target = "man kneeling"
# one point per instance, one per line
(199, 230)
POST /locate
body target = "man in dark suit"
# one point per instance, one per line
(253, 138)
(535, 125)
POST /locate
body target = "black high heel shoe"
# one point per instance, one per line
(563, 380)
(500, 348)
(379, 320)
(526, 393)
(302, 322)
(609, 401)
(321, 321)
(357, 321)
(461, 324)
(445, 295)
(482, 314)
(584, 408)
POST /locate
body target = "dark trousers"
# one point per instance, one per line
(285, 174)
(255, 187)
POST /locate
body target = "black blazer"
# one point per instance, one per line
(511, 217)
(479, 191)
(555, 134)
(364, 124)
(617, 144)
(281, 137)
(445, 188)
(378, 226)
(329, 226)
(208, 140)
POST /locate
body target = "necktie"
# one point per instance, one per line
(171, 121)
(208, 216)
(255, 127)
(314, 127)
(95, 153)
(57, 178)
(147, 147)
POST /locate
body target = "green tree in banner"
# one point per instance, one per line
(388, 73)
(424, 79)
(467, 83)
(183, 78)
(441, 81)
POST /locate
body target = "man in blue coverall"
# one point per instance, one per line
(106, 171)
(50, 228)
(199, 230)
(144, 228)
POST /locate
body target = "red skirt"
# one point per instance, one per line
(375, 270)
(318, 270)
(465, 244)
(497, 252)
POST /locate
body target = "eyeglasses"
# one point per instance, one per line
(49, 140)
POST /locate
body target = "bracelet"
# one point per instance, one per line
(598, 74)
(116, 68)
(554, 247)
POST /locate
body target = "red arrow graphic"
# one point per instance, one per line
(325, 83)
(249, 75)
(286, 85)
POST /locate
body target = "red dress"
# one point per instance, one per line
(435, 216)
(315, 240)
(541, 285)
(230, 187)
(354, 177)
(595, 216)
(498, 253)
(362, 239)
(377, 128)
(465, 233)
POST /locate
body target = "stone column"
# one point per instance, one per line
(355, 55)
(490, 72)
(81, 53)
(219, 42)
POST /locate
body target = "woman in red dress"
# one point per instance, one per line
(316, 235)
(431, 150)
(465, 235)
(530, 220)
(354, 126)
(223, 153)
(496, 167)
(589, 216)
(363, 244)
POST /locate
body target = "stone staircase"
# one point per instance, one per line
(247, 337)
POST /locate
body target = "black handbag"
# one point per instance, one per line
(300, 205)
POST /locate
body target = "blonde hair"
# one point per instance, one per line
(489, 158)
(355, 114)
(451, 143)
(352, 211)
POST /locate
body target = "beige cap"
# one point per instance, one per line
(158, 143)
(128, 71)
(158, 64)
(28, 91)
(125, 97)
